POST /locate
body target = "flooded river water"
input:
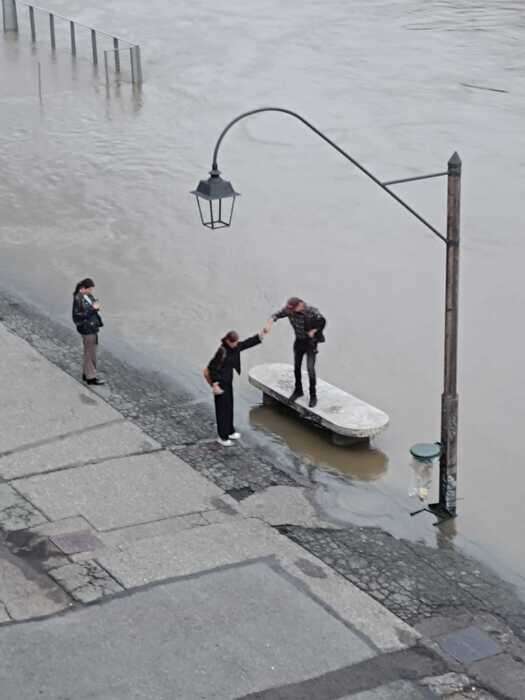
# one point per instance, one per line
(96, 181)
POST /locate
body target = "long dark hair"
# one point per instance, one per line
(231, 336)
(83, 284)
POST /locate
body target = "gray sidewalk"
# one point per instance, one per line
(127, 574)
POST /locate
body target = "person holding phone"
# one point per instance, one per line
(219, 375)
(86, 318)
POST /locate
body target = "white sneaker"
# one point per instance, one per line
(235, 436)
(224, 443)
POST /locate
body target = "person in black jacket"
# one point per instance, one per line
(86, 318)
(308, 324)
(219, 373)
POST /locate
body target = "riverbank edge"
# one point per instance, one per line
(436, 591)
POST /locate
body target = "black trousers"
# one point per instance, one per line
(224, 412)
(300, 349)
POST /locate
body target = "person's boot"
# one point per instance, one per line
(297, 393)
(313, 401)
(96, 382)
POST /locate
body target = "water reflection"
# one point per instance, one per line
(361, 462)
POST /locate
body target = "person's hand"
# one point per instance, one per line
(268, 327)
(216, 388)
(96, 306)
(312, 332)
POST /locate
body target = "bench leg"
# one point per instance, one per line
(347, 441)
(268, 400)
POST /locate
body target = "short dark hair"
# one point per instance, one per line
(293, 302)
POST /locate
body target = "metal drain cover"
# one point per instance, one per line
(75, 542)
(469, 645)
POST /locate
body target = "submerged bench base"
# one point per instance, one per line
(337, 439)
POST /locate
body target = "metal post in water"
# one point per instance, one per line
(52, 31)
(136, 65)
(94, 46)
(73, 38)
(10, 15)
(40, 81)
(32, 23)
(106, 67)
(117, 56)
(449, 400)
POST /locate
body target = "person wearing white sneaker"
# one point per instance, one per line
(219, 375)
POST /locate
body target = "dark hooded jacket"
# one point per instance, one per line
(85, 317)
(228, 359)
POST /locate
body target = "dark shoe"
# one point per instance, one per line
(313, 401)
(96, 381)
(84, 378)
(296, 395)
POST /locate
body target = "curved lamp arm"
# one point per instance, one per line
(358, 165)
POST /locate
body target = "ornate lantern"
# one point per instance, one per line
(215, 200)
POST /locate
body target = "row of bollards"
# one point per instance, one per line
(10, 17)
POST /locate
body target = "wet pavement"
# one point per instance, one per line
(96, 182)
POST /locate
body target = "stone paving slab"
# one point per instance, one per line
(203, 548)
(15, 512)
(99, 443)
(399, 690)
(4, 617)
(284, 505)
(217, 636)
(503, 672)
(26, 413)
(122, 492)
(85, 581)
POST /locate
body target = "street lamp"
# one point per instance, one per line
(215, 196)
(215, 200)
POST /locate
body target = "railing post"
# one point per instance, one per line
(52, 31)
(117, 56)
(73, 38)
(94, 46)
(32, 23)
(10, 15)
(136, 65)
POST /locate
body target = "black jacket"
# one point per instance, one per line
(310, 319)
(85, 317)
(227, 359)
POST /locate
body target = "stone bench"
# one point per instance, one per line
(349, 419)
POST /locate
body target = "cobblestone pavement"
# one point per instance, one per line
(436, 590)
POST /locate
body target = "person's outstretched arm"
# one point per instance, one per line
(251, 342)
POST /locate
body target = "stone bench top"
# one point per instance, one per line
(336, 410)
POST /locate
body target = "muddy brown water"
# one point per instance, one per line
(95, 180)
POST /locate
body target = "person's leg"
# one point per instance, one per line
(310, 365)
(90, 356)
(231, 427)
(298, 364)
(298, 351)
(221, 413)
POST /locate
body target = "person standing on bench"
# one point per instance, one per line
(308, 324)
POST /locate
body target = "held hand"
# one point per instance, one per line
(268, 327)
(96, 306)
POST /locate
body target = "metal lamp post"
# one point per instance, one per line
(216, 198)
